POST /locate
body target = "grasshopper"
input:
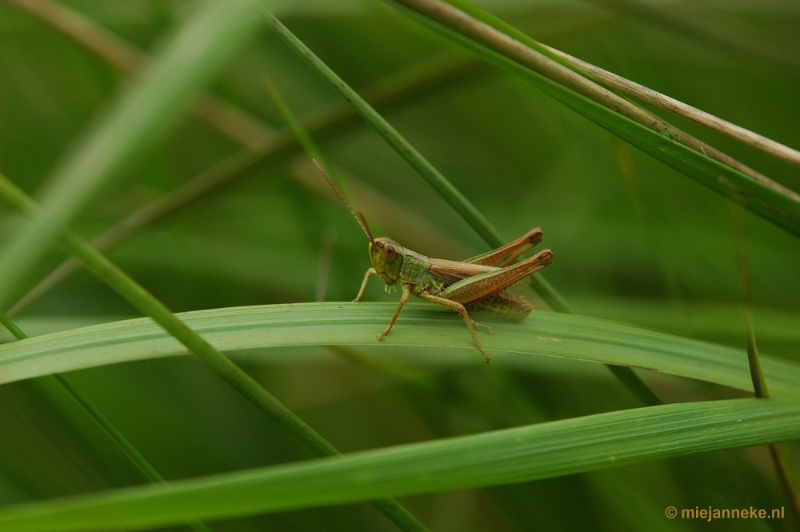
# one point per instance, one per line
(475, 284)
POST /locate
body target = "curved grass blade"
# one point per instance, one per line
(501, 457)
(310, 324)
(203, 45)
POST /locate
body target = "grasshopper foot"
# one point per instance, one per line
(478, 344)
(482, 326)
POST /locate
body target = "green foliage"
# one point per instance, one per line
(516, 445)
(501, 457)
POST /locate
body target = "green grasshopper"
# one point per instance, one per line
(475, 284)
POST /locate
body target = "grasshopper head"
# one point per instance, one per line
(386, 256)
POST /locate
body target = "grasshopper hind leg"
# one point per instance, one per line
(458, 307)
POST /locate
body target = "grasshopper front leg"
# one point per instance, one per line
(458, 307)
(371, 271)
(403, 301)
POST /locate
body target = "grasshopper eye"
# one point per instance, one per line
(389, 253)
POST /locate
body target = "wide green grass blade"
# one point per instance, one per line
(501, 457)
(781, 209)
(202, 46)
(543, 333)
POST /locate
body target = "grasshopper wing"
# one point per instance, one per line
(451, 271)
(485, 285)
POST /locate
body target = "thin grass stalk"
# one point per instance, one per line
(390, 91)
(140, 298)
(311, 149)
(711, 469)
(781, 454)
(304, 139)
(491, 32)
(746, 286)
(130, 451)
(729, 129)
(763, 198)
(636, 90)
(448, 192)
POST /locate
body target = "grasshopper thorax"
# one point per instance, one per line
(386, 256)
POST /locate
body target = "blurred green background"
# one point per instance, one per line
(653, 249)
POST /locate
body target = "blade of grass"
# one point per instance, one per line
(130, 451)
(126, 57)
(641, 92)
(392, 90)
(305, 140)
(140, 298)
(479, 25)
(758, 194)
(781, 455)
(506, 456)
(745, 136)
(202, 46)
(421, 325)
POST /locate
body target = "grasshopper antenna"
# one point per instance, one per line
(359, 216)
